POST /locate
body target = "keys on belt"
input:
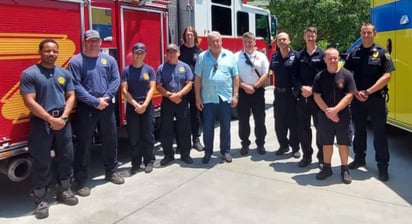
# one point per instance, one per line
(56, 113)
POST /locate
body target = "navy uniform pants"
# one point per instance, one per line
(140, 128)
(168, 113)
(41, 140)
(307, 109)
(255, 104)
(87, 120)
(286, 120)
(375, 109)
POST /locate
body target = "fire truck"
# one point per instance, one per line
(392, 20)
(121, 23)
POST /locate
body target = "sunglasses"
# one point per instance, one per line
(215, 67)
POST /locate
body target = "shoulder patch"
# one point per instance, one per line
(387, 56)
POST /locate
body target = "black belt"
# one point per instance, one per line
(56, 112)
(282, 90)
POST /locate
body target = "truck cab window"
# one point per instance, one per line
(102, 22)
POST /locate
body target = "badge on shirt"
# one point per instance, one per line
(146, 76)
(340, 83)
(61, 80)
(375, 53)
(103, 61)
(181, 69)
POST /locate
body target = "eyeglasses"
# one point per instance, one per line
(215, 67)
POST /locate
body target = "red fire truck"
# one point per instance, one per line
(121, 23)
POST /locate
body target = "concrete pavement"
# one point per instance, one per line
(252, 189)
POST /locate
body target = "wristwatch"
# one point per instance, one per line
(367, 93)
(65, 119)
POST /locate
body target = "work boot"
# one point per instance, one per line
(197, 145)
(65, 195)
(42, 207)
(325, 172)
(383, 172)
(346, 178)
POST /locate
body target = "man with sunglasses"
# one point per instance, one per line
(253, 71)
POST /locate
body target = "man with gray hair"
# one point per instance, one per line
(216, 91)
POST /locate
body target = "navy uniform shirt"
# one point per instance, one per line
(285, 69)
(174, 77)
(189, 55)
(138, 80)
(309, 66)
(368, 65)
(333, 87)
(94, 77)
(49, 85)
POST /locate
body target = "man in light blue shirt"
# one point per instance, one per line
(216, 91)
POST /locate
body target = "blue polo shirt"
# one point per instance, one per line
(49, 85)
(174, 77)
(138, 80)
(94, 77)
(217, 76)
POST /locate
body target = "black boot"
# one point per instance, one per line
(344, 172)
(65, 195)
(383, 172)
(42, 207)
(325, 172)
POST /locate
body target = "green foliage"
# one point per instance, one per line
(338, 21)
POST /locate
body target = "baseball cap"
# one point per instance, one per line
(139, 47)
(172, 47)
(91, 34)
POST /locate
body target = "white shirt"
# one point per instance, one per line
(247, 74)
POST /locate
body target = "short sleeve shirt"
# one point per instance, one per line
(174, 77)
(49, 85)
(333, 87)
(216, 75)
(247, 73)
(138, 80)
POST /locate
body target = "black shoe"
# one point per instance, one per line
(282, 151)
(135, 169)
(42, 210)
(304, 162)
(115, 178)
(296, 154)
(244, 150)
(261, 150)
(148, 168)
(198, 146)
(346, 178)
(187, 159)
(383, 176)
(355, 164)
(325, 172)
(206, 158)
(83, 191)
(67, 197)
(166, 160)
(227, 157)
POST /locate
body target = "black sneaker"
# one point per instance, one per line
(296, 154)
(282, 151)
(206, 158)
(304, 162)
(227, 157)
(148, 168)
(244, 150)
(355, 164)
(187, 160)
(261, 150)
(324, 173)
(135, 169)
(346, 178)
(67, 197)
(115, 178)
(166, 160)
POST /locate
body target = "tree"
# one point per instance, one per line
(337, 21)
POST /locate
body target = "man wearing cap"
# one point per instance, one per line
(96, 79)
(216, 91)
(174, 81)
(138, 85)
